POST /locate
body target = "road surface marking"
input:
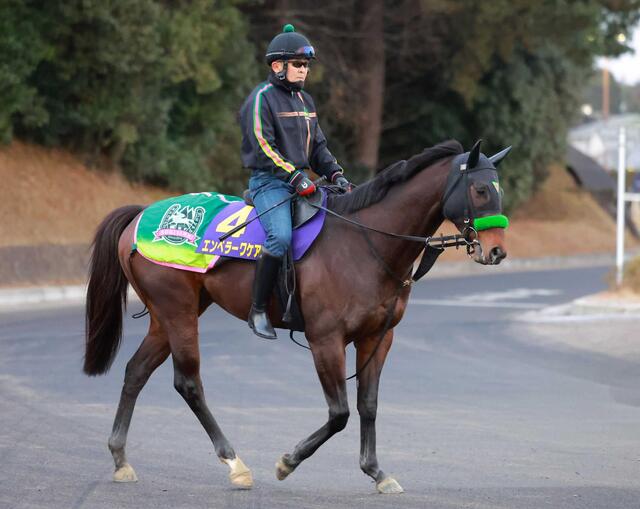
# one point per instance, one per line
(512, 294)
(476, 304)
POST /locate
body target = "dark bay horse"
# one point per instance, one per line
(410, 197)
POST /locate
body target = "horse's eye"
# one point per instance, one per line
(481, 189)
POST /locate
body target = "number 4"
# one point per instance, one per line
(235, 219)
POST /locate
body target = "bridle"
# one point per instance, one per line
(462, 210)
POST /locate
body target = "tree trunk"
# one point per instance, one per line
(371, 75)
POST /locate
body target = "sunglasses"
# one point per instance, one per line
(297, 64)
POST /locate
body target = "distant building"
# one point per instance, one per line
(590, 175)
(599, 140)
(594, 176)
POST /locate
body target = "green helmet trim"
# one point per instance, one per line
(485, 223)
(288, 28)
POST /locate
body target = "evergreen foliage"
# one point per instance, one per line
(21, 49)
(508, 71)
(154, 86)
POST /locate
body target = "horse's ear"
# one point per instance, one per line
(474, 155)
(496, 158)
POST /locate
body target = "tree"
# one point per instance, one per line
(154, 85)
(150, 85)
(509, 71)
(21, 49)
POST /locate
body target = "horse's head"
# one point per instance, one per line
(473, 202)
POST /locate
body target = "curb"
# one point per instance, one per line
(53, 296)
(37, 295)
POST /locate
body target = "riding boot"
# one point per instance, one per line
(267, 268)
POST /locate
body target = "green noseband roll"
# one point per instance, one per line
(484, 223)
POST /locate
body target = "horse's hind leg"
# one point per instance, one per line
(329, 359)
(368, 381)
(152, 352)
(186, 364)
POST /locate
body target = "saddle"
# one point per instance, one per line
(303, 209)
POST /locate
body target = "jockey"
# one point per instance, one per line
(281, 138)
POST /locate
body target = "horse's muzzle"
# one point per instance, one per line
(495, 256)
(491, 250)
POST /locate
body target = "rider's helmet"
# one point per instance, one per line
(289, 44)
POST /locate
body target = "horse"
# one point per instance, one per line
(365, 299)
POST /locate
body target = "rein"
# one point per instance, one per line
(440, 242)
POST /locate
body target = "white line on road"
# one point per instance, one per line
(511, 294)
(476, 304)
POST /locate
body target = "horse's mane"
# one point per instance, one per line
(375, 189)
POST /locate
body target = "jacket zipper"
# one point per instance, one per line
(308, 121)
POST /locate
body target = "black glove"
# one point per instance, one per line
(303, 184)
(343, 183)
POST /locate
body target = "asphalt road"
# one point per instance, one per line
(477, 409)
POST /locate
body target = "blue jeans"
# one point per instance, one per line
(267, 190)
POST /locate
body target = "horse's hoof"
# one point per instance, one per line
(125, 473)
(389, 486)
(239, 475)
(282, 469)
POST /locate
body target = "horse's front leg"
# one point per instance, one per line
(368, 381)
(329, 359)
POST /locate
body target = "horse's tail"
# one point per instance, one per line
(106, 293)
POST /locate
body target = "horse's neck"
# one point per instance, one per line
(410, 208)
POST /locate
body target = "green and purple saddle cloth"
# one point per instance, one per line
(183, 232)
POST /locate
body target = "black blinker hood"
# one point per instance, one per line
(458, 206)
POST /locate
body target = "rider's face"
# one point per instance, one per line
(297, 69)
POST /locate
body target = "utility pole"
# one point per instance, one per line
(605, 93)
(620, 208)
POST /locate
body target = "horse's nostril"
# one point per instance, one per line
(497, 255)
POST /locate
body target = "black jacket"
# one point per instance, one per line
(280, 132)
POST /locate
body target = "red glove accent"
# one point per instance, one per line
(302, 183)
